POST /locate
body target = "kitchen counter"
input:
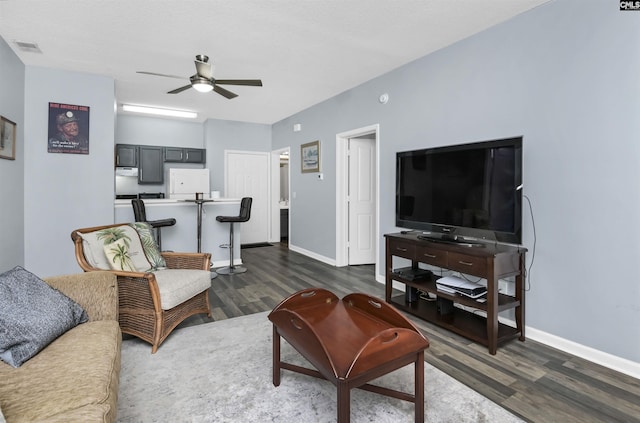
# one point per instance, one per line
(183, 236)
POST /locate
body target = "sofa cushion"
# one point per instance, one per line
(32, 315)
(94, 243)
(149, 245)
(74, 379)
(178, 285)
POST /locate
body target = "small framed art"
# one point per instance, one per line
(7, 139)
(310, 157)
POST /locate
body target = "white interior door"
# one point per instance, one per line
(247, 175)
(362, 201)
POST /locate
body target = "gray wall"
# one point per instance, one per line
(64, 192)
(147, 130)
(12, 171)
(224, 135)
(565, 76)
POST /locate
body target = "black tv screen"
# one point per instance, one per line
(467, 190)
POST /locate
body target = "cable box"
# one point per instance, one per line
(412, 274)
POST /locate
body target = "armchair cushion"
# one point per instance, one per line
(32, 315)
(178, 285)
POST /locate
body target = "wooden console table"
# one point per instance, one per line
(351, 342)
(489, 261)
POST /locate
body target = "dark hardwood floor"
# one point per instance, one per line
(531, 380)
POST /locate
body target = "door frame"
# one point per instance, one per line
(342, 188)
(264, 154)
(274, 227)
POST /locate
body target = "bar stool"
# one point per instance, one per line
(140, 215)
(243, 216)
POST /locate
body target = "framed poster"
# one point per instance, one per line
(7, 139)
(310, 157)
(68, 129)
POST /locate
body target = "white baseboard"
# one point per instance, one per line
(223, 263)
(610, 361)
(313, 255)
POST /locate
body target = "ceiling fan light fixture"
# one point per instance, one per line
(202, 86)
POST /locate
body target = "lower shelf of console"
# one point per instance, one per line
(462, 322)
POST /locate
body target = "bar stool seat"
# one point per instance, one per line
(243, 216)
(140, 215)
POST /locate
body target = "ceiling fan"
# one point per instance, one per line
(203, 81)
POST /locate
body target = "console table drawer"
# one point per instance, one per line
(467, 264)
(431, 256)
(402, 249)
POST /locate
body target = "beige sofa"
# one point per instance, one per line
(75, 378)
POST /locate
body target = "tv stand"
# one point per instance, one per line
(493, 262)
(451, 239)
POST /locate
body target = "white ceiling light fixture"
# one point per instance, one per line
(201, 84)
(159, 111)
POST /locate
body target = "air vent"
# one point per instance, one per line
(28, 47)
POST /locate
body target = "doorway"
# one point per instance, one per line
(247, 175)
(357, 197)
(279, 203)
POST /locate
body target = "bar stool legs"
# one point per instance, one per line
(243, 216)
(231, 269)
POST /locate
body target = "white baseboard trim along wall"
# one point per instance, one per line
(610, 361)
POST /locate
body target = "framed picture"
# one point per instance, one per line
(310, 157)
(68, 129)
(7, 139)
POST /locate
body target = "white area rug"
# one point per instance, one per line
(221, 372)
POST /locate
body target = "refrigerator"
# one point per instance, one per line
(185, 183)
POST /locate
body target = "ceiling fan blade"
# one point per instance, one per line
(224, 92)
(203, 69)
(161, 74)
(179, 90)
(251, 82)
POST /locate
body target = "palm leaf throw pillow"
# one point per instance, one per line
(149, 245)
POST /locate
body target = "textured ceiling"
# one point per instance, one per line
(305, 51)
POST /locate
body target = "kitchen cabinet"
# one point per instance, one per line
(126, 155)
(184, 155)
(151, 165)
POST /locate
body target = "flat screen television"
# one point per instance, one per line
(467, 190)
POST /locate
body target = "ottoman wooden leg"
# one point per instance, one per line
(419, 389)
(276, 357)
(344, 400)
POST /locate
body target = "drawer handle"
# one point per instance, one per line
(404, 250)
(430, 255)
(465, 263)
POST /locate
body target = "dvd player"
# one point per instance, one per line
(413, 274)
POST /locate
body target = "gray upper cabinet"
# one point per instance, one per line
(150, 159)
(151, 169)
(126, 155)
(195, 155)
(173, 154)
(184, 155)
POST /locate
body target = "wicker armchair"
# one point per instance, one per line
(140, 304)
